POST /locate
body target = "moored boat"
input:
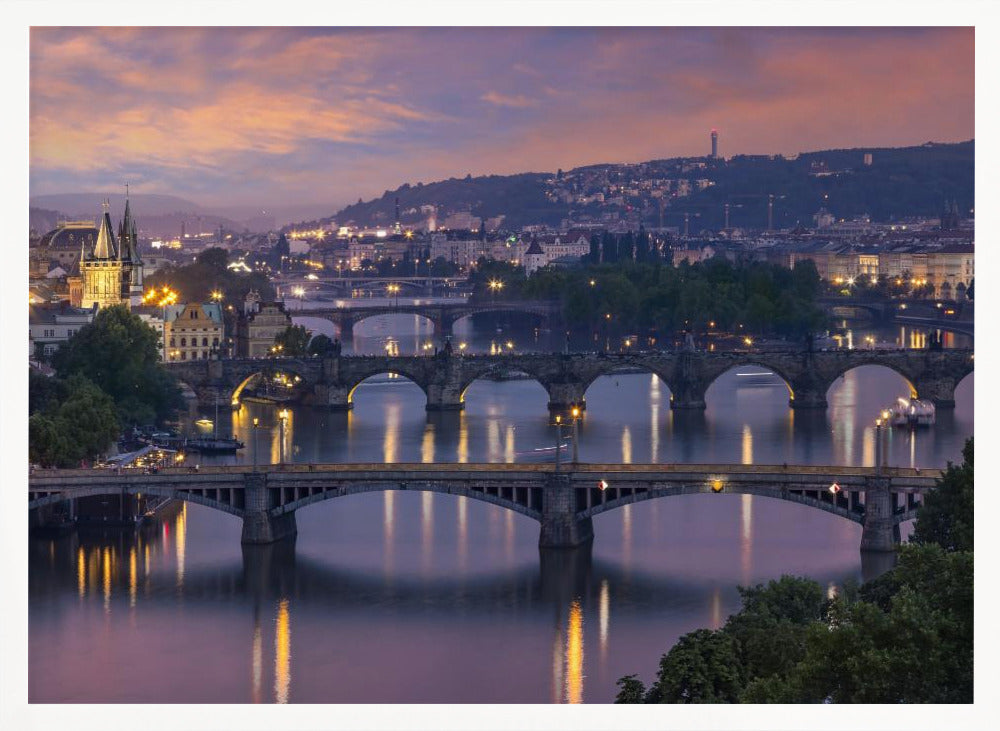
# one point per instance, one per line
(912, 413)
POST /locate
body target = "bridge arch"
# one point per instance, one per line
(841, 505)
(540, 318)
(368, 315)
(172, 493)
(494, 369)
(297, 380)
(757, 363)
(390, 372)
(520, 499)
(905, 378)
(613, 369)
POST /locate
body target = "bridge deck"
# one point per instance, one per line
(901, 476)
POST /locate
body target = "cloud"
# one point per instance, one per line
(273, 114)
(519, 101)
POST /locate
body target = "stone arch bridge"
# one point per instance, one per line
(564, 503)
(444, 378)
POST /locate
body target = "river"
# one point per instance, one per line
(420, 597)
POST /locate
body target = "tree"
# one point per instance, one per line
(293, 340)
(320, 345)
(119, 353)
(701, 668)
(82, 426)
(214, 259)
(946, 516)
(631, 690)
(913, 644)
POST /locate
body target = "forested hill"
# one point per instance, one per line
(522, 196)
(899, 183)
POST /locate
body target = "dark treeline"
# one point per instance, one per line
(209, 273)
(650, 296)
(906, 637)
(107, 376)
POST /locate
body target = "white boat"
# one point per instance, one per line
(912, 412)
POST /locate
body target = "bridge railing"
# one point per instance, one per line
(579, 468)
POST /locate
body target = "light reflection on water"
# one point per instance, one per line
(414, 590)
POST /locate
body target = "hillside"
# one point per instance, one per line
(900, 183)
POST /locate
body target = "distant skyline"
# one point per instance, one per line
(279, 117)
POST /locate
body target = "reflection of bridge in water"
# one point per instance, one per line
(276, 592)
(564, 503)
(445, 378)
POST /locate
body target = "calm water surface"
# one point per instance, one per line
(420, 597)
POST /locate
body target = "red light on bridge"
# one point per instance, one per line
(835, 488)
(603, 485)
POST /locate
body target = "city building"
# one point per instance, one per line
(49, 326)
(258, 325)
(715, 144)
(110, 272)
(192, 331)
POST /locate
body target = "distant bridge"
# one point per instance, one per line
(444, 379)
(287, 283)
(911, 311)
(564, 503)
(442, 316)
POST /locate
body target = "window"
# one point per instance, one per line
(172, 342)
(204, 342)
(215, 341)
(184, 355)
(184, 342)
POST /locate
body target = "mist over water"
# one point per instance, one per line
(421, 597)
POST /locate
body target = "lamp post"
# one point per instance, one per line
(885, 437)
(256, 423)
(558, 440)
(878, 446)
(576, 434)
(282, 420)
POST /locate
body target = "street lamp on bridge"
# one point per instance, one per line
(256, 423)
(393, 289)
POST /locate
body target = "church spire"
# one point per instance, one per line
(127, 234)
(106, 247)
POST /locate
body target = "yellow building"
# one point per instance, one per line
(192, 331)
(110, 272)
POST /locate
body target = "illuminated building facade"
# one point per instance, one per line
(111, 270)
(192, 331)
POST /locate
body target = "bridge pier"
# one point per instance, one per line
(560, 526)
(564, 397)
(805, 397)
(444, 397)
(259, 526)
(335, 398)
(940, 391)
(879, 532)
(687, 394)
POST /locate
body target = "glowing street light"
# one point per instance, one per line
(256, 423)
(299, 292)
(576, 433)
(216, 295)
